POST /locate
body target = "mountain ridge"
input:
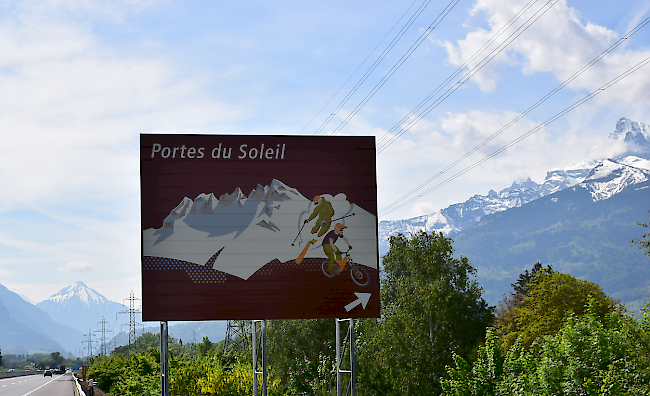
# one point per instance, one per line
(81, 306)
(455, 218)
(32, 328)
(580, 220)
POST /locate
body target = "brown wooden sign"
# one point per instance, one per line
(258, 227)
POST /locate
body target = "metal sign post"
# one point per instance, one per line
(340, 352)
(164, 360)
(255, 356)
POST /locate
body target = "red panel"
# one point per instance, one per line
(175, 288)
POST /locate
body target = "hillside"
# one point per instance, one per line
(26, 328)
(580, 220)
(570, 231)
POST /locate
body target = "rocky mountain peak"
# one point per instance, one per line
(602, 178)
(78, 291)
(636, 135)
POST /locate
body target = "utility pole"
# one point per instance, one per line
(103, 331)
(132, 311)
(89, 341)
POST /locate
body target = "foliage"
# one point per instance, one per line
(644, 242)
(590, 355)
(212, 373)
(140, 375)
(570, 231)
(551, 295)
(107, 369)
(215, 374)
(521, 285)
(0, 357)
(431, 308)
(303, 354)
(53, 360)
(205, 346)
(509, 304)
(56, 358)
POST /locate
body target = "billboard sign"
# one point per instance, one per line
(258, 227)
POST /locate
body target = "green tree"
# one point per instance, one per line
(551, 296)
(205, 346)
(590, 355)
(141, 376)
(303, 354)
(0, 357)
(521, 285)
(644, 242)
(56, 358)
(108, 369)
(506, 321)
(431, 308)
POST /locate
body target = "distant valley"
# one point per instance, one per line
(63, 322)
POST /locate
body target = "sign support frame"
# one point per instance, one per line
(340, 352)
(164, 359)
(255, 356)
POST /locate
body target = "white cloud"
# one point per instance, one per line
(77, 266)
(423, 208)
(560, 43)
(72, 110)
(437, 144)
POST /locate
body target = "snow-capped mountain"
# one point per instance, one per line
(635, 135)
(81, 307)
(239, 234)
(25, 328)
(610, 177)
(602, 178)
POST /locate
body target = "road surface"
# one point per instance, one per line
(37, 385)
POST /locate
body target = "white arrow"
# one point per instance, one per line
(362, 299)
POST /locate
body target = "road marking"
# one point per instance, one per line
(34, 390)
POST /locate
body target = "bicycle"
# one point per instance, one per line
(358, 273)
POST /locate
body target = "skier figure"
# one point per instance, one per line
(324, 211)
(330, 249)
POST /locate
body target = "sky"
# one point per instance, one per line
(81, 79)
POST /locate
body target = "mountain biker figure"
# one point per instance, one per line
(330, 249)
(325, 212)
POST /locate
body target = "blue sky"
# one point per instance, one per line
(80, 79)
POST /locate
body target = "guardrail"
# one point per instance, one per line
(20, 374)
(77, 388)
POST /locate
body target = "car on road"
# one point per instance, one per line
(47, 373)
(11, 370)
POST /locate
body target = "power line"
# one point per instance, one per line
(461, 67)
(89, 341)
(355, 72)
(399, 63)
(103, 331)
(525, 135)
(132, 311)
(372, 68)
(531, 108)
(472, 72)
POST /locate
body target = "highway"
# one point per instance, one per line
(37, 385)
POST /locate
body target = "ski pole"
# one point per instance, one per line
(294, 240)
(343, 217)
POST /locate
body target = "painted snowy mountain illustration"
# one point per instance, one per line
(238, 234)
